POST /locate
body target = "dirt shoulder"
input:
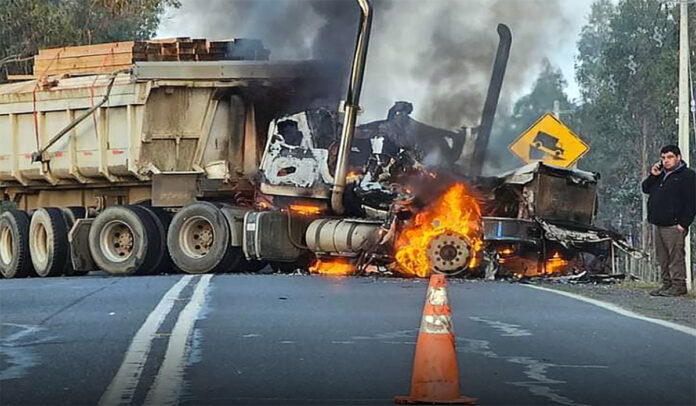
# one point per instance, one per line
(634, 296)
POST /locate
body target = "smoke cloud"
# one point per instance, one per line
(437, 54)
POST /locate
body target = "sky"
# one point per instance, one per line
(548, 28)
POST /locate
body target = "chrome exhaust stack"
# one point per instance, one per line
(351, 106)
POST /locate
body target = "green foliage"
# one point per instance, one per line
(548, 88)
(29, 25)
(627, 71)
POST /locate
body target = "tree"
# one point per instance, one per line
(548, 88)
(627, 73)
(28, 25)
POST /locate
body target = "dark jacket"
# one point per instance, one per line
(672, 198)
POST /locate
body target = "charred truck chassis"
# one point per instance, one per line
(537, 211)
(184, 166)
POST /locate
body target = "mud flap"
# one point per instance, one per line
(78, 238)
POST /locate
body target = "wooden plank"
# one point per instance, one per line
(82, 62)
(19, 78)
(154, 47)
(200, 45)
(170, 49)
(169, 40)
(86, 50)
(219, 46)
(84, 71)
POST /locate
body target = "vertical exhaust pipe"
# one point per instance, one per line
(351, 106)
(491, 104)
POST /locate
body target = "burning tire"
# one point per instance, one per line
(48, 242)
(124, 240)
(199, 240)
(15, 260)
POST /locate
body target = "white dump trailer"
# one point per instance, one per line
(77, 151)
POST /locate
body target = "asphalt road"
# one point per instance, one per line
(277, 339)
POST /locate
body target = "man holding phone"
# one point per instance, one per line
(671, 209)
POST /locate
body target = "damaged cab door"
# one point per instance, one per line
(300, 155)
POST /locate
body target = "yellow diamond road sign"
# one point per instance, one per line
(550, 141)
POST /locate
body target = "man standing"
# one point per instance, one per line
(671, 209)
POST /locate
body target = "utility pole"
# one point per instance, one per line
(684, 112)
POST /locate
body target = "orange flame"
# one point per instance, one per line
(335, 267)
(305, 209)
(555, 264)
(455, 211)
(352, 176)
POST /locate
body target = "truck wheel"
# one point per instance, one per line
(283, 267)
(255, 266)
(124, 240)
(162, 220)
(48, 242)
(72, 214)
(199, 240)
(15, 260)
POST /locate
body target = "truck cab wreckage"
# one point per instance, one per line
(197, 166)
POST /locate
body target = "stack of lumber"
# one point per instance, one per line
(115, 56)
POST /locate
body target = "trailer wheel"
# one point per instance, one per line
(162, 220)
(15, 260)
(72, 214)
(255, 266)
(283, 267)
(199, 240)
(48, 242)
(124, 240)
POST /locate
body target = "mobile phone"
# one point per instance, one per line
(659, 165)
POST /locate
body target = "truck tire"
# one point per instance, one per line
(283, 267)
(48, 242)
(72, 214)
(15, 260)
(162, 220)
(199, 240)
(256, 266)
(124, 240)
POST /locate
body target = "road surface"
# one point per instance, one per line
(281, 339)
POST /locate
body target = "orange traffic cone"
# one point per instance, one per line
(435, 372)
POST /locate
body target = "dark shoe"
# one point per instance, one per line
(658, 292)
(674, 291)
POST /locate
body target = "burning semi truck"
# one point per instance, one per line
(195, 165)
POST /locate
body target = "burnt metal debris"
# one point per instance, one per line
(538, 219)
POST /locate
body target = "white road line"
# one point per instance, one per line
(168, 382)
(620, 310)
(122, 387)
